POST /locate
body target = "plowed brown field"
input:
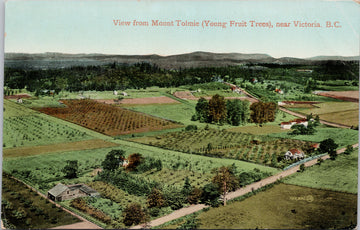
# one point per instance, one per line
(107, 119)
(352, 96)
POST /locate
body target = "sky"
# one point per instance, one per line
(79, 26)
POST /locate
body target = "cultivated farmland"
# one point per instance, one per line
(43, 149)
(107, 119)
(346, 113)
(342, 137)
(240, 146)
(23, 208)
(24, 127)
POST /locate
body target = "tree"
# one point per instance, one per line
(71, 169)
(237, 112)
(263, 112)
(217, 109)
(348, 150)
(134, 160)
(234, 108)
(202, 110)
(174, 198)
(299, 129)
(302, 168)
(317, 120)
(134, 214)
(155, 199)
(328, 146)
(113, 160)
(194, 196)
(187, 187)
(225, 180)
(210, 195)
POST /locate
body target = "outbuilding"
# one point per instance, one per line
(63, 192)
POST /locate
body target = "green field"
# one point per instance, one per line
(175, 112)
(337, 175)
(44, 171)
(224, 93)
(25, 209)
(12, 109)
(25, 127)
(258, 149)
(257, 130)
(342, 137)
(285, 207)
(270, 127)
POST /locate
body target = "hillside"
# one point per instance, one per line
(194, 59)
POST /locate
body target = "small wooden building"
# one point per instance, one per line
(66, 192)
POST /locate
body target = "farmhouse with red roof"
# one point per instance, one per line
(294, 154)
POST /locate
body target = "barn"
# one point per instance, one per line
(63, 192)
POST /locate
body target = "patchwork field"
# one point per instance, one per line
(24, 208)
(338, 175)
(107, 119)
(285, 207)
(43, 149)
(240, 146)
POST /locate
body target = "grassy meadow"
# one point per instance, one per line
(338, 175)
(285, 207)
(342, 137)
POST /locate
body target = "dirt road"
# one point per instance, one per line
(240, 192)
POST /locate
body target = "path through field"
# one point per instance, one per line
(231, 195)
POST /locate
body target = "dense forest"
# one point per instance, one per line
(141, 75)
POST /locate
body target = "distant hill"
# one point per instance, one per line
(337, 58)
(195, 59)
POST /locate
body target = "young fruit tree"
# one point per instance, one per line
(226, 180)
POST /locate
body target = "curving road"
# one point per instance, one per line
(231, 195)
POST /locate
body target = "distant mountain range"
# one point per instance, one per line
(195, 59)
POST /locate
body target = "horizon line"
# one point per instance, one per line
(175, 54)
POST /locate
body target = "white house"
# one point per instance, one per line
(294, 154)
(289, 124)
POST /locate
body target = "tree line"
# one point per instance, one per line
(234, 112)
(141, 75)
